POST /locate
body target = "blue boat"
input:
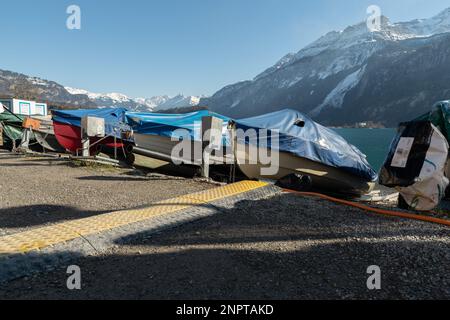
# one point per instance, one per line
(302, 146)
(158, 135)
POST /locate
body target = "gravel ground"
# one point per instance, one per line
(284, 247)
(39, 191)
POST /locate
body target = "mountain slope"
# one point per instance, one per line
(18, 85)
(352, 75)
(14, 84)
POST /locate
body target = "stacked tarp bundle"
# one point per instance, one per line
(166, 124)
(301, 136)
(417, 160)
(114, 119)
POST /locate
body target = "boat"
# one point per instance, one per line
(304, 147)
(45, 135)
(156, 135)
(67, 129)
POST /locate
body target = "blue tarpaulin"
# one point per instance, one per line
(300, 135)
(166, 124)
(114, 118)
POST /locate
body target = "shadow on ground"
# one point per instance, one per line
(36, 215)
(280, 248)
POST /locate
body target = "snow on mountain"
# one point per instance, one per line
(153, 102)
(13, 84)
(359, 34)
(157, 103)
(329, 74)
(179, 101)
(427, 27)
(336, 97)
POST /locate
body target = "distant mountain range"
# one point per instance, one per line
(352, 76)
(19, 85)
(343, 78)
(157, 103)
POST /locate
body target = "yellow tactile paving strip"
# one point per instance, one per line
(40, 238)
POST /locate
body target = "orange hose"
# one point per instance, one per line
(374, 210)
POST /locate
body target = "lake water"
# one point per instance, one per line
(374, 143)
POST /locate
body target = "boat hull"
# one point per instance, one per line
(161, 147)
(45, 135)
(69, 137)
(48, 141)
(324, 178)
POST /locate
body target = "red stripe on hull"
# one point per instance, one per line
(69, 137)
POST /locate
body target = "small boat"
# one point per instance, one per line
(45, 135)
(156, 135)
(67, 128)
(304, 147)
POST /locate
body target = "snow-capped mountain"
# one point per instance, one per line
(14, 84)
(157, 103)
(388, 75)
(179, 101)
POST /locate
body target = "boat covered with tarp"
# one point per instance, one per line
(157, 135)
(305, 147)
(67, 129)
(302, 147)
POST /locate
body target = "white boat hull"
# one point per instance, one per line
(164, 146)
(323, 177)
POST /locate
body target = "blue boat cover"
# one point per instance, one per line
(300, 135)
(165, 124)
(114, 118)
(308, 140)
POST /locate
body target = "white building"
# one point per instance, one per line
(24, 107)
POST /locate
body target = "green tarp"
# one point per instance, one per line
(440, 117)
(12, 128)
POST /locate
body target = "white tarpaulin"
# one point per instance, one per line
(429, 188)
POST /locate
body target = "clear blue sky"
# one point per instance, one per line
(153, 47)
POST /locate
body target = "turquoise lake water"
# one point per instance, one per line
(374, 143)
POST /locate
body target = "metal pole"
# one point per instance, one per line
(115, 147)
(206, 155)
(85, 144)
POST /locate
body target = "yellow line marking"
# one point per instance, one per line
(43, 237)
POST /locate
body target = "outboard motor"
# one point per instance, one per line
(416, 165)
